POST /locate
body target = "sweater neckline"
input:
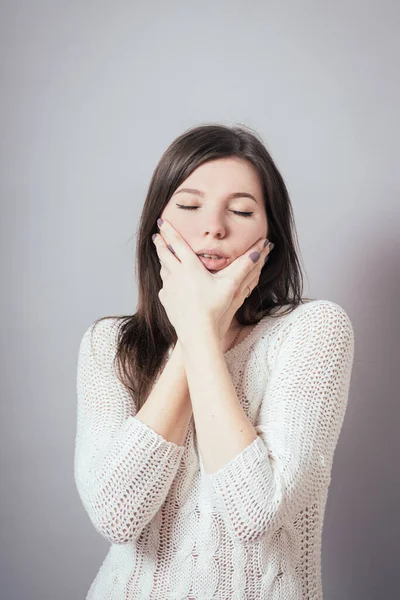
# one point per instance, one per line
(249, 338)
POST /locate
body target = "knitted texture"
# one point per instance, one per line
(253, 529)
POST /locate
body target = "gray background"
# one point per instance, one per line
(91, 95)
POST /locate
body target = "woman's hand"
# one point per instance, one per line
(191, 295)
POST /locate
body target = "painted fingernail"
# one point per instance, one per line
(266, 243)
(266, 258)
(271, 246)
(254, 256)
(171, 248)
(153, 237)
(160, 222)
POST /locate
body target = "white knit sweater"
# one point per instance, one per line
(250, 531)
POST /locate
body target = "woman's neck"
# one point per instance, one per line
(234, 326)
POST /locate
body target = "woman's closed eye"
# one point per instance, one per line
(237, 212)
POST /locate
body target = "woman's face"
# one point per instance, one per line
(213, 223)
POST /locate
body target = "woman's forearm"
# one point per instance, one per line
(168, 409)
(222, 426)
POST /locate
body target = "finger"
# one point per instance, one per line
(252, 284)
(166, 255)
(251, 280)
(248, 262)
(269, 247)
(245, 290)
(176, 244)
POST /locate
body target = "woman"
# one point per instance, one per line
(208, 420)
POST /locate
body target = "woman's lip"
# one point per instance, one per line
(214, 264)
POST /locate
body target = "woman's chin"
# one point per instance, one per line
(214, 270)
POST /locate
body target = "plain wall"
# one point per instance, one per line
(91, 95)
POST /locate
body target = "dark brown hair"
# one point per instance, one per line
(145, 337)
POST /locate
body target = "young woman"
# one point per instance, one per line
(207, 421)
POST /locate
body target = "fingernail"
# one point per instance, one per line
(153, 237)
(171, 248)
(266, 243)
(160, 222)
(266, 258)
(254, 256)
(271, 246)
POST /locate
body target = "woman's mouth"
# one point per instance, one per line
(213, 264)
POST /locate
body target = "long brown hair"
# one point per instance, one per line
(145, 337)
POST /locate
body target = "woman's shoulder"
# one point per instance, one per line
(102, 329)
(318, 319)
(100, 339)
(315, 328)
(310, 310)
(324, 311)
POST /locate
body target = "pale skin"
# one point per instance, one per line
(214, 223)
(202, 308)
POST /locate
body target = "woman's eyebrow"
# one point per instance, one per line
(229, 197)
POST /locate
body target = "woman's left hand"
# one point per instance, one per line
(191, 295)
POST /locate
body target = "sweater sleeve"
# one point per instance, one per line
(123, 469)
(297, 428)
